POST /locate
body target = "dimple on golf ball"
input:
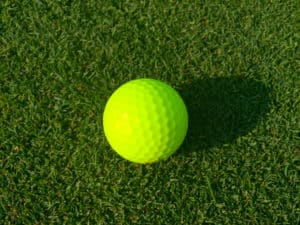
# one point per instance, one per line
(145, 120)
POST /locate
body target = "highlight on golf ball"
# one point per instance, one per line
(145, 120)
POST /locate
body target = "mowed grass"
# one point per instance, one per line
(235, 63)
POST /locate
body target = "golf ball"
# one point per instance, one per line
(145, 120)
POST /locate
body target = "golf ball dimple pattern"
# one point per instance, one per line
(145, 120)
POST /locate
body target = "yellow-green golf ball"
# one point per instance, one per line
(145, 120)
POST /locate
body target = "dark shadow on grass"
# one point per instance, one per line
(222, 109)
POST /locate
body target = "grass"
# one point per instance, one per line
(236, 64)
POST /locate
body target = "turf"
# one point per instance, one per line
(237, 66)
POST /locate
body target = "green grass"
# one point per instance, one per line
(236, 64)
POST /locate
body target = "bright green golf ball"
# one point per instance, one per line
(145, 120)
